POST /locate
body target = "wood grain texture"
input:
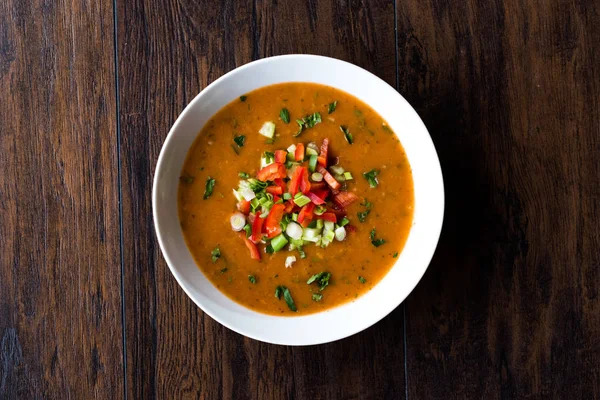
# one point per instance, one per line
(509, 307)
(168, 51)
(60, 304)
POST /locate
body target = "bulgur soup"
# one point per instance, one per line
(295, 198)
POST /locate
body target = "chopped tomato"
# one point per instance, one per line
(344, 199)
(254, 253)
(328, 216)
(271, 172)
(244, 206)
(280, 156)
(299, 154)
(335, 185)
(273, 219)
(294, 183)
(279, 182)
(315, 198)
(257, 228)
(306, 214)
(304, 182)
(322, 161)
(289, 206)
(274, 190)
(322, 193)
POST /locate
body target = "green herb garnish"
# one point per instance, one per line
(376, 242)
(347, 134)
(332, 106)
(252, 279)
(243, 98)
(317, 296)
(395, 255)
(322, 279)
(362, 280)
(269, 157)
(256, 185)
(187, 179)
(216, 253)
(224, 270)
(284, 114)
(287, 296)
(362, 216)
(243, 175)
(307, 122)
(278, 291)
(239, 140)
(210, 185)
(248, 230)
(371, 176)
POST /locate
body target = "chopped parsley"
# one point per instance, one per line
(307, 122)
(243, 175)
(362, 215)
(224, 270)
(216, 253)
(371, 177)
(395, 255)
(362, 280)
(269, 157)
(347, 134)
(322, 279)
(210, 185)
(287, 296)
(376, 242)
(331, 107)
(243, 97)
(239, 140)
(317, 296)
(284, 114)
(252, 279)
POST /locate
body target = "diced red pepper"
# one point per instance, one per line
(294, 183)
(335, 185)
(322, 193)
(340, 213)
(306, 214)
(325, 148)
(314, 186)
(350, 228)
(276, 198)
(304, 182)
(344, 199)
(322, 161)
(274, 190)
(273, 219)
(279, 182)
(271, 172)
(299, 154)
(289, 206)
(254, 253)
(315, 198)
(280, 156)
(244, 206)
(257, 228)
(328, 216)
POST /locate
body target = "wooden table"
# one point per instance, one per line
(510, 92)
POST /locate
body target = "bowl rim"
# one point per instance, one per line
(379, 314)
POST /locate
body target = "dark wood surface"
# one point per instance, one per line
(510, 306)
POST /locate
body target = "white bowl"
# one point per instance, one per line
(351, 317)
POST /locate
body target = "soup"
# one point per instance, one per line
(295, 198)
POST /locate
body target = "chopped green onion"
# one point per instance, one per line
(319, 224)
(340, 233)
(247, 193)
(340, 178)
(237, 195)
(317, 296)
(301, 252)
(312, 163)
(320, 210)
(362, 280)
(243, 175)
(345, 221)
(287, 196)
(238, 221)
(307, 122)
(252, 279)
(248, 230)
(284, 114)
(332, 106)
(322, 279)
(239, 140)
(268, 129)
(289, 261)
(269, 157)
(348, 176)
(376, 242)
(311, 152)
(362, 216)
(302, 201)
(223, 270)
(347, 134)
(295, 217)
(278, 242)
(311, 234)
(371, 177)
(210, 185)
(336, 169)
(294, 230)
(395, 255)
(243, 98)
(291, 150)
(329, 226)
(216, 253)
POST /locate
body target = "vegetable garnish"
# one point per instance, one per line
(284, 114)
(216, 253)
(322, 279)
(287, 206)
(362, 280)
(287, 296)
(223, 270)
(376, 242)
(210, 185)
(307, 122)
(252, 279)
(317, 296)
(371, 177)
(239, 140)
(331, 107)
(395, 255)
(243, 98)
(347, 134)
(362, 215)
